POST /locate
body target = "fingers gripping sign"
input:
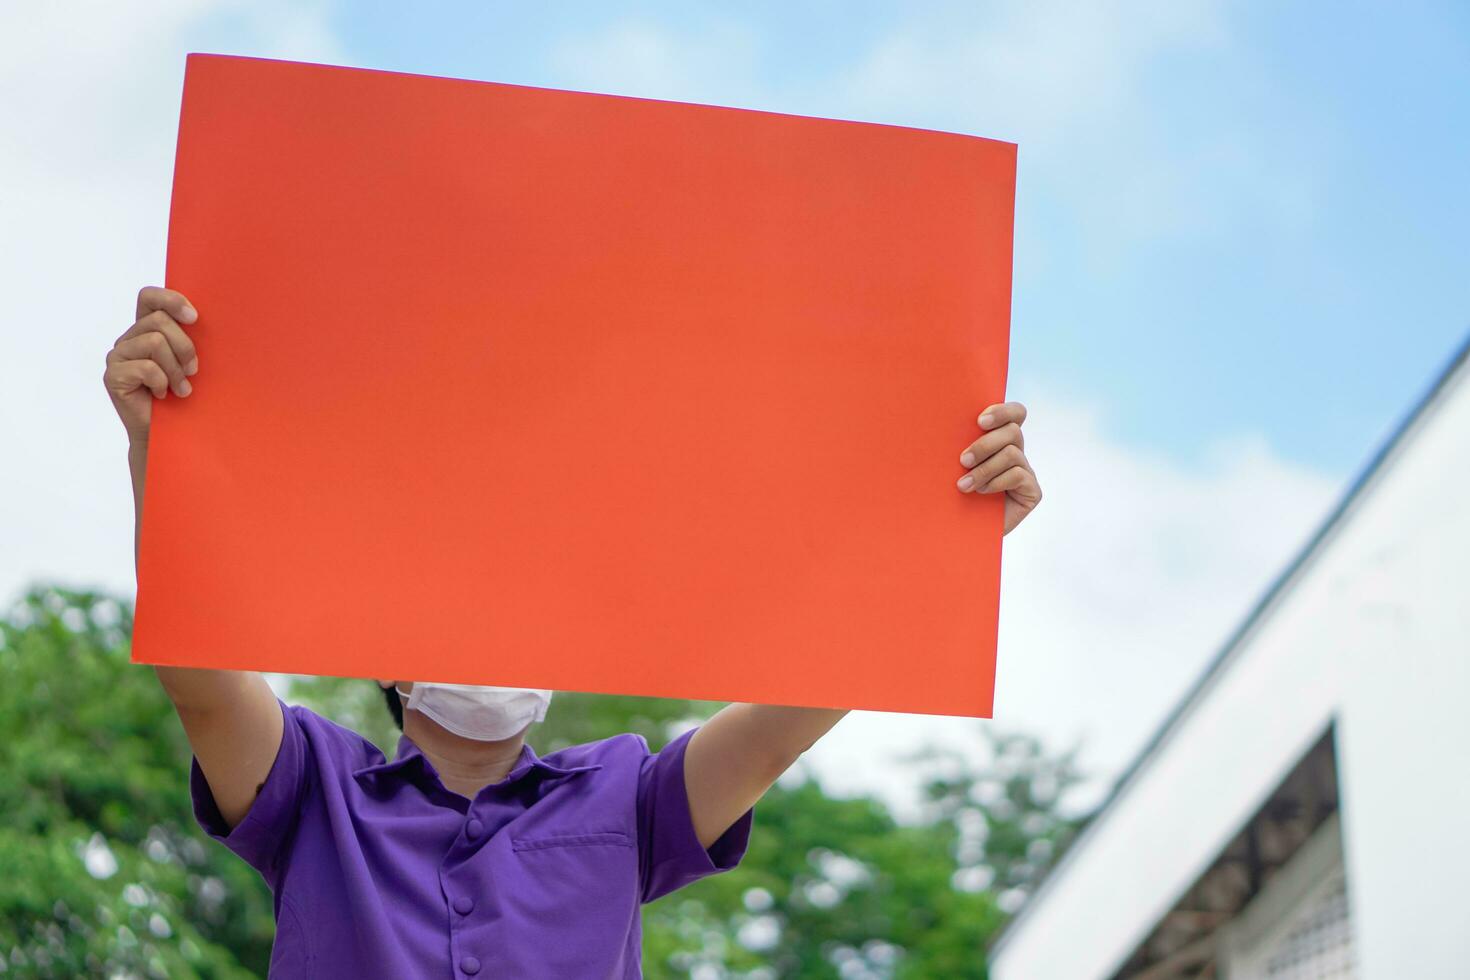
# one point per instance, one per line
(997, 462)
(151, 357)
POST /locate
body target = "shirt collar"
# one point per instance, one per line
(409, 759)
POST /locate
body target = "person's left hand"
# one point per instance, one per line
(997, 462)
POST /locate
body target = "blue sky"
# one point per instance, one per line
(1243, 233)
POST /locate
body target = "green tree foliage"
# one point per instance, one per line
(106, 873)
(838, 888)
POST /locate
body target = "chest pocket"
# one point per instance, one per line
(586, 876)
(584, 883)
(600, 839)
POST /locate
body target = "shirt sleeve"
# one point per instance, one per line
(260, 837)
(670, 855)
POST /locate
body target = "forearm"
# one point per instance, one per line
(190, 689)
(784, 732)
(739, 753)
(761, 740)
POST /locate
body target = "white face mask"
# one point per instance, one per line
(486, 714)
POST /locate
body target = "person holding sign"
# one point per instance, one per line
(467, 854)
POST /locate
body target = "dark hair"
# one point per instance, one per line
(395, 704)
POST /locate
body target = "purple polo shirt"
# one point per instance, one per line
(378, 870)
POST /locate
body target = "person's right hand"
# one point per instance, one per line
(153, 355)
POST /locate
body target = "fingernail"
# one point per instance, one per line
(192, 367)
(966, 482)
(185, 387)
(967, 458)
(188, 315)
(987, 420)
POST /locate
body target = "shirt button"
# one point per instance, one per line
(469, 965)
(473, 830)
(464, 905)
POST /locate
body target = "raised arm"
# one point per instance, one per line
(231, 717)
(740, 753)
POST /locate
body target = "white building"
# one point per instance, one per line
(1305, 811)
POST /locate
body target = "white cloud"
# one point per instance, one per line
(637, 58)
(1115, 593)
(1079, 88)
(1040, 71)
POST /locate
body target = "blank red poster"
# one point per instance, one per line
(535, 388)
